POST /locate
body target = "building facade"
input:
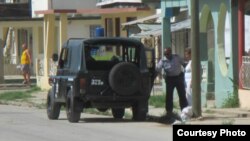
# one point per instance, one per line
(222, 46)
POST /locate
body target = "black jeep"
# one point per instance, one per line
(102, 73)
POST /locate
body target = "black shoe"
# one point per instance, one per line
(167, 119)
(174, 116)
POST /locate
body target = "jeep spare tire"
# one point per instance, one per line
(124, 78)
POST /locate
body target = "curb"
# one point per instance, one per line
(235, 113)
(14, 86)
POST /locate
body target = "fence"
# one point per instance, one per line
(245, 72)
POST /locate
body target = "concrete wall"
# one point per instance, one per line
(39, 5)
(220, 12)
(80, 29)
(244, 97)
(61, 4)
(73, 4)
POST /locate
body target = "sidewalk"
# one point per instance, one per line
(213, 116)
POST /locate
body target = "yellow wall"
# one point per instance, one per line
(123, 17)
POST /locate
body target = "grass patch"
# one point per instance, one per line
(16, 95)
(33, 89)
(10, 96)
(157, 101)
(232, 101)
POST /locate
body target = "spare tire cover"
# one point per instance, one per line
(124, 78)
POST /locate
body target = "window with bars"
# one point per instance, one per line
(180, 41)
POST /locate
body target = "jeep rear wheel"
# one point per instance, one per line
(140, 110)
(53, 108)
(118, 113)
(124, 78)
(73, 108)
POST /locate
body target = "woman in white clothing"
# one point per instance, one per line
(188, 76)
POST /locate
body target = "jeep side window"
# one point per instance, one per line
(149, 57)
(75, 62)
(63, 58)
(130, 54)
(88, 52)
(125, 54)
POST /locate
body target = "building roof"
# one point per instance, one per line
(92, 11)
(156, 30)
(54, 11)
(142, 20)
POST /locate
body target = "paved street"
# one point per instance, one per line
(25, 122)
(31, 124)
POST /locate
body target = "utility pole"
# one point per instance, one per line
(196, 69)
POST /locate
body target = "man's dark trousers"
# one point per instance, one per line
(178, 83)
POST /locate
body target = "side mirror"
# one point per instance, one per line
(55, 57)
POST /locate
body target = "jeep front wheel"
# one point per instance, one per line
(73, 108)
(124, 78)
(53, 108)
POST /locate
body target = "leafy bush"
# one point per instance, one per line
(232, 101)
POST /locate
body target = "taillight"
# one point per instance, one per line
(82, 85)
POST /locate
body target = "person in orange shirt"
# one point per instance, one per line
(25, 64)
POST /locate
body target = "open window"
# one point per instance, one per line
(63, 58)
(150, 58)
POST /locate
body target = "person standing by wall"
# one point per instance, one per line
(25, 64)
(188, 76)
(172, 64)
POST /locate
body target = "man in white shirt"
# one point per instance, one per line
(172, 64)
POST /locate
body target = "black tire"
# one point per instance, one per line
(118, 113)
(124, 78)
(73, 107)
(53, 108)
(140, 110)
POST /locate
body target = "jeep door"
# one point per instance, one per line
(63, 69)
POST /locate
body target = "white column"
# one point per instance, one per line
(63, 27)
(50, 43)
(35, 46)
(1, 63)
(3, 32)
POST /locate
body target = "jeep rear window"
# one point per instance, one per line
(108, 55)
(109, 52)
